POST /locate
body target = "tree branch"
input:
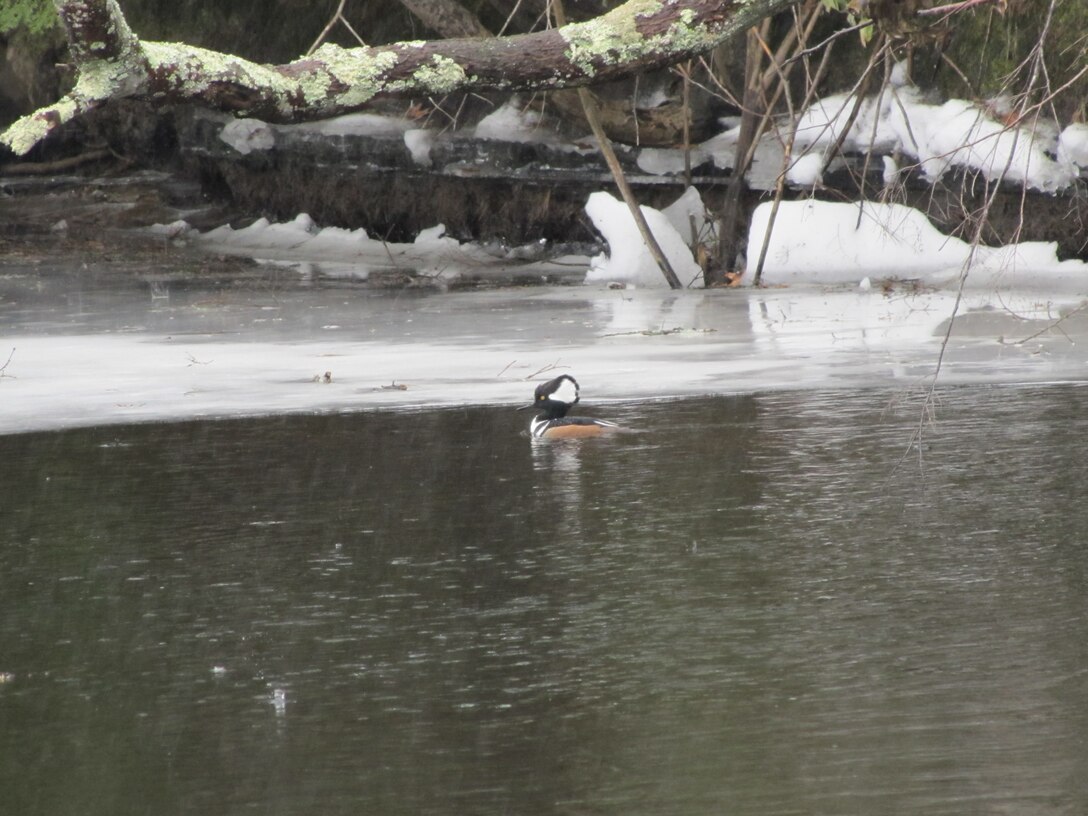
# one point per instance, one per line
(114, 64)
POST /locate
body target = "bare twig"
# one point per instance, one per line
(509, 19)
(685, 73)
(1035, 59)
(338, 16)
(859, 99)
(1051, 326)
(788, 150)
(45, 168)
(589, 105)
(953, 8)
(757, 113)
(549, 367)
(3, 373)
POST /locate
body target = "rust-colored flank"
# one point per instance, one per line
(576, 431)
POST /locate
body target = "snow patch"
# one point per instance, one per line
(821, 242)
(807, 171)
(1073, 145)
(356, 124)
(686, 212)
(419, 143)
(435, 238)
(766, 162)
(628, 260)
(891, 171)
(513, 123)
(247, 135)
(663, 161)
(956, 133)
(332, 252)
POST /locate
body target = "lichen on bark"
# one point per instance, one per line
(359, 71)
(442, 75)
(114, 64)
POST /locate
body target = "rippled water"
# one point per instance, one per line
(755, 605)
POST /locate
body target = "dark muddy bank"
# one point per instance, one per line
(484, 190)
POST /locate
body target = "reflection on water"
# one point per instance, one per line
(747, 608)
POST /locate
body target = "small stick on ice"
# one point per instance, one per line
(5, 365)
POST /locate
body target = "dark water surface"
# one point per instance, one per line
(750, 608)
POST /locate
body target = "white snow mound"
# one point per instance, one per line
(957, 133)
(247, 135)
(822, 242)
(628, 260)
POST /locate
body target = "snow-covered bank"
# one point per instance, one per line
(332, 252)
(900, 127)
(818, 242)
(461, 177)
(957, 133)
(822, 242)
(811, 242)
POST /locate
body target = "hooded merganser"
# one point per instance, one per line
(553, 399)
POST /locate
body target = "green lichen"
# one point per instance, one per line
(332, 78)
(28, 131)
(24, 134)
(360, 70)
(102, 79)
(442, 75)
(615, 38)
(193, 71)
(685, 36)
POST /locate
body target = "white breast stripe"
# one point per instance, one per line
(538, 426)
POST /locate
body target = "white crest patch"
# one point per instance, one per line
(566, 392)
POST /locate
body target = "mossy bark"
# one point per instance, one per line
(114, 64)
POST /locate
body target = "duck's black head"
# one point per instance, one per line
(554, 398)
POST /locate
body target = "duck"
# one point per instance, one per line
(552, 400)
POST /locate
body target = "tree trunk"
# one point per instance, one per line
(113, 64)
(729, 225)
